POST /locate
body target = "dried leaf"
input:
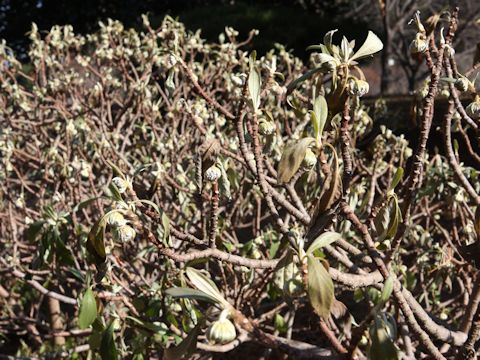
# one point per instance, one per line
(320, 287)
(292, 158)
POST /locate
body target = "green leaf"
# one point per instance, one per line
(280, 324)
(34, 229)
(182, 292)
(371, 45)
(332, 189)
(320, 109)
(206, 285)
(387, 289)
(382, 346)
(95, 242)
(320, 287)
(88, 310)
(166, 229)
(185, 348)
(254, 82)
(323, 240)
(294, 84)
(396, 179)
(114, 192)
(292, 158)
(108, 349)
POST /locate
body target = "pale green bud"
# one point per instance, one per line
(310, 159)
(221, 331)
(116, 219)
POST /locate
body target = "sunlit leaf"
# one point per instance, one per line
(292, 158)
(387, 289)
(95, 242)
(396, 179)
(254, 82)
(371, 45)
(204, 284)
(320, 287)
(323, 240)
(88, 310)
(320, 113)
(181, 292)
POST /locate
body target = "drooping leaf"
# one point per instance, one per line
(320, 287)
(254, 82)
(323, 240)
(382, 346)
(292, 158)
(182, 292)
(331, 190)
(204, 284)
(371, 45)
(185, 348)
(108, 349)
(295, 83)
(95, 242)
(320, 110)
(88, 310)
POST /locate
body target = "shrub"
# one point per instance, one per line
(167, 197)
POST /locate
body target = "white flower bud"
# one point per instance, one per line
(126, 233)
(461, 84)
(310, 159)
(266, 127)
(358, 87)
(419, 45)
(116, 219)
(213, 173)
(473, 110)
(121, 184)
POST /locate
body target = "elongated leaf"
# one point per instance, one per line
(95, 242)
(328, 39)
(182, 292)
(396, 179)
(82, 204)
(295, 83)
(320, 287)
(382, 346)
(320, 110)
(108, 349)
(323, 240)
(371, 45)
(185, 348)
(387, 289)
(395, 219)
(88, 310)
(254, 83)
(331, 190)
(204, 284)
(292, 158)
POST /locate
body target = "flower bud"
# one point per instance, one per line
(473, 109)
(221, 331)
(121, 184)
(461, 84)
(126, 233)
(116, 219)
(419, 45)
(213, 173)
(445, 93)
(310, 159)
(266, 127)
(358, 87)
